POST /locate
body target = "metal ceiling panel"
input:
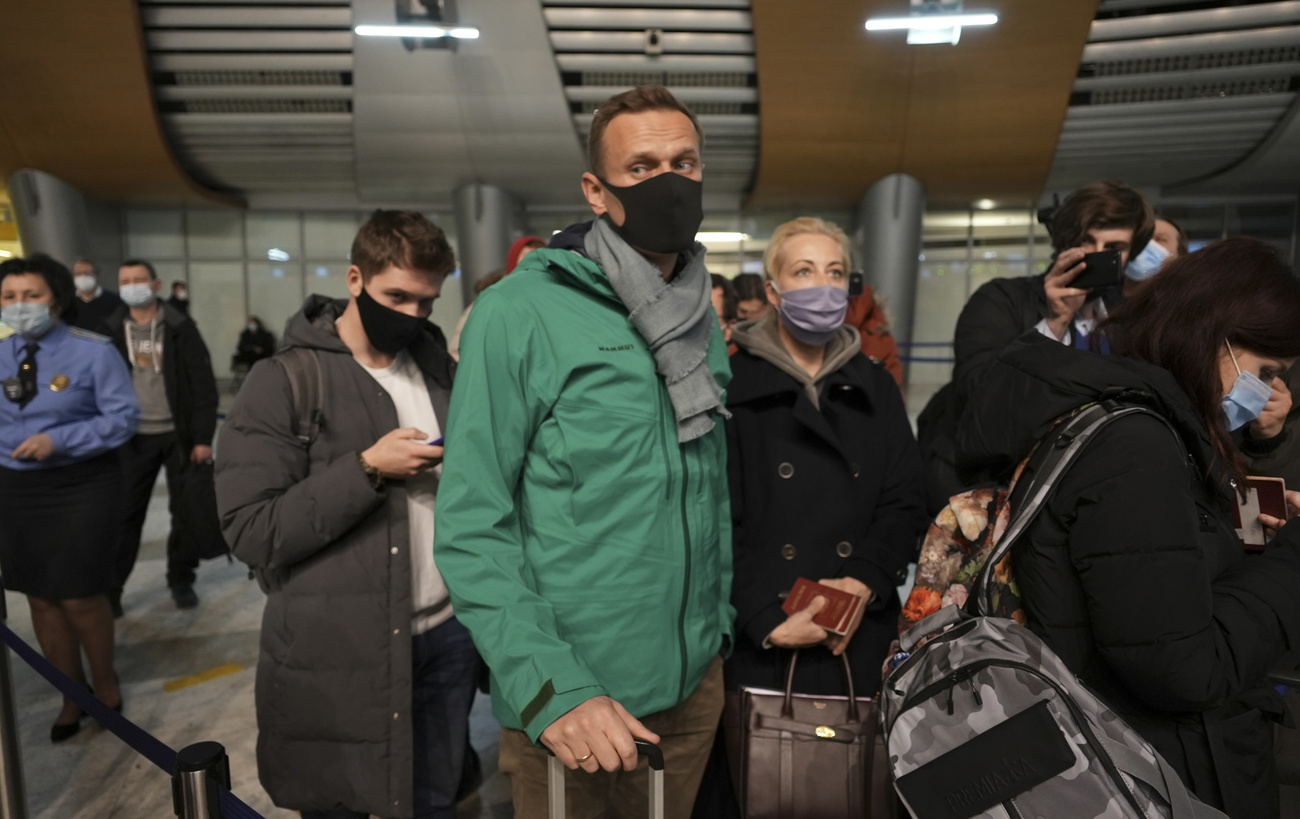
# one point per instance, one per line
(242, 40)
(279, 16)
(674, 42)
(668, 63)
(668, 19)
(1169, 98)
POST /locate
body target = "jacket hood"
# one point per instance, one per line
(761, 339)
(313, 325)
(1035, 380)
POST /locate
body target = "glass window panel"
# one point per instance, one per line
(328, 279)
(450, 304)
(328, 236)
(154, 235)
(275, 292)
(1202, 224)
(217, 306)
(273, 237)
(1275, 223)
(169, 272)
(215, 234)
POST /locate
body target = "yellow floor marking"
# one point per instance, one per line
(202, 676)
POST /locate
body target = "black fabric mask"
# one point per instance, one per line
(661, 214)
(389, 330)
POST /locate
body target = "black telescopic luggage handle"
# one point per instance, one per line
(555, 780)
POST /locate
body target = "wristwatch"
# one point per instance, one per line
(372, 473)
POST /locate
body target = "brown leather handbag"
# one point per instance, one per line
(810, 757)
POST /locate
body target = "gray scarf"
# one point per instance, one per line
(676, 320)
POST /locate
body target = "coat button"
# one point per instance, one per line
(844, 548)
(393, 550)
(785, 470)
(394, 715)
(854, 469)
(397, 631)
(787, 551)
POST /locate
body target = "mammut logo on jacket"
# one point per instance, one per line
(993, 783)
(620, 348)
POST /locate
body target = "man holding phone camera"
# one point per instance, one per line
(1108, 219)
(326, 483)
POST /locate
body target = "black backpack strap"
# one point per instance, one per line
(1053, 458)
(306, 381)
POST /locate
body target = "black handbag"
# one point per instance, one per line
(199, 523)
(812, 757)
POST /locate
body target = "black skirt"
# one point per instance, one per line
(59, 528)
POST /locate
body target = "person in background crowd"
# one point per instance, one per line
(180, 298)
(1100, 216)
(68, 406)
(358, 625)
(724, 304)
(872, 322)
(1278, 456)
(520, 248)
(93, 304)
(177, 391)
(1167, 242)
(826, 478)
(1170, 235)
(255, 343)
(1133, 572)
(751, 297)
(585, 525)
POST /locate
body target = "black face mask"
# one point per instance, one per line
(661, 214)
(389, 330)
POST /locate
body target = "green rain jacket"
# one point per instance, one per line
(587, 552)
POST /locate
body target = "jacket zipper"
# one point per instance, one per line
(686, 579)
(1080, 718)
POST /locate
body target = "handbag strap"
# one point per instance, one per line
(787, 704)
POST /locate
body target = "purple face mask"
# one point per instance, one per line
(814, 314)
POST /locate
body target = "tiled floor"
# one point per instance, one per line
(95, 775)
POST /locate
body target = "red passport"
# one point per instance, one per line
(841, 607)
(1263, 496)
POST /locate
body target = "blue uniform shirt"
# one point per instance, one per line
(92, 411)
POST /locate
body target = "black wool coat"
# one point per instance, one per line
(835, 492)
(1133, 573)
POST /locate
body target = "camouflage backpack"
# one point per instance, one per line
(982, 719)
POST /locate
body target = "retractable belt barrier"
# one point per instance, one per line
(198, 791)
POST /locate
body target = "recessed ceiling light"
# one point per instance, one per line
(419, 32)
(930, 22)
(986, 204)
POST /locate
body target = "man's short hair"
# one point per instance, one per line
(1102, 206)
(401, 238)
(153, 274)
(84, 260)
(722, 283)
(178, 284)
(639, 99)
(749, 286)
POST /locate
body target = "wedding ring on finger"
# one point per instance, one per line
(583, 759)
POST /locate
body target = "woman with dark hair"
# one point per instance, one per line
(1133, 572)
(69, 404)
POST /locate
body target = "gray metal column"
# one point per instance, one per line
(485, 215)
(51, 216)
(887, 241)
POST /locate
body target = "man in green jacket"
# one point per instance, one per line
(584, 529)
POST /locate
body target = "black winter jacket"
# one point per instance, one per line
(817, 494)
(1134, 575)
(334, 673)
(187, 374)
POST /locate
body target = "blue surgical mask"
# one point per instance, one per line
(813, 314)
(1247, 398)
(28, 318)
(1147, 263)
(136, 295)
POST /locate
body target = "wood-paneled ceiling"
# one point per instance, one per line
(843, 107)
(76, 102)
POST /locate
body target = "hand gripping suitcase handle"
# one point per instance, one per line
(555, 780)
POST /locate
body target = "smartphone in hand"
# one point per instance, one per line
(1103, 270)
(437, 442)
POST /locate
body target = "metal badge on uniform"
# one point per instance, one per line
(13, 389)
(59, 383)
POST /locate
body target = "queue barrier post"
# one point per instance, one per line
(13, 796)
(201, 770)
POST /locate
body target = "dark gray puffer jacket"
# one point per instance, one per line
(334, 673)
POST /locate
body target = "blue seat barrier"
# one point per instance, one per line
(136, 738)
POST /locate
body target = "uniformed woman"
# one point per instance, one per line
(68, 404)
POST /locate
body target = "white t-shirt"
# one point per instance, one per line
(404, 383)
